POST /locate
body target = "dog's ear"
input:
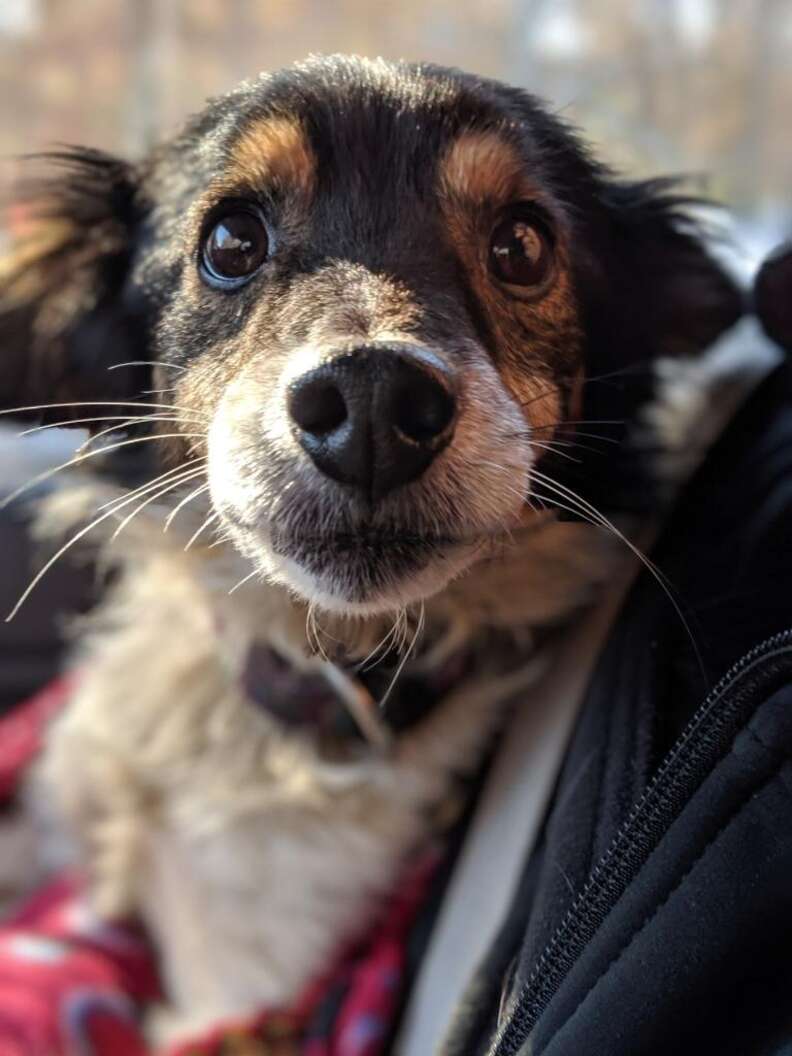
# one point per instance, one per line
(651, 289)
(64, 317)
(773, 295)
(661, 292)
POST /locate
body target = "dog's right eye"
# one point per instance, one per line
(235, 247)
(521, 248)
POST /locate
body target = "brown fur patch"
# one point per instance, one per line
(24, 276)
(483, 166)
(273, 151)
(537, 339)
(539, 398)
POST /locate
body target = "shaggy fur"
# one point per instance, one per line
(252, 850)
(249, 855)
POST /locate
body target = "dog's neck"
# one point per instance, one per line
(395, 665)
(348, 680)
(534, 581)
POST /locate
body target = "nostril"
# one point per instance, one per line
(317, 406)
(374, 418)
(422, 410)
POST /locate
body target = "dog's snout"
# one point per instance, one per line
(373, 418)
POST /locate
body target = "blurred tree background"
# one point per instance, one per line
(683, 86)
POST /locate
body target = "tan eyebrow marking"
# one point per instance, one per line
(534, 339)
(23, 270)
(273, 151)
(483, 166)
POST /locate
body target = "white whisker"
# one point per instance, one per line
(67, 422)
(396, 634)
(596, 517)
(130, 421)
(560, 430)
(382, 645)
(51, 472)
(171, 484)
(103, 403)
(142, 487)
(64, 549)
(313, 632)
(146, 363)
(553, 449)
(243, 581)
(209, 520)
(193, 494)
(418, 631)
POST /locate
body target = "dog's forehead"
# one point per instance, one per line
(358, 98)
(334, 123)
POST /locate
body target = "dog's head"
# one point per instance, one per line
(372, 295)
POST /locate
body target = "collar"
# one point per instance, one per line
(348, 703)
(368, 702)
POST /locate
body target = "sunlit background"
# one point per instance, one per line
(693, 86)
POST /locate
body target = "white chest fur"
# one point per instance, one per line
(249, 858)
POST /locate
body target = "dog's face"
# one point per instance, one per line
(373, 294)
(391, 320)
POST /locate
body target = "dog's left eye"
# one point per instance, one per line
(521, 249)
(235, 247)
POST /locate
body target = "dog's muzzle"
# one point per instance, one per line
(374, 418)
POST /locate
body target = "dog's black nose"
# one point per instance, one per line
(374, 418)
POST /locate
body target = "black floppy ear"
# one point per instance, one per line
(650, 289)
(64, 315)
(662, 292)
(772, 298)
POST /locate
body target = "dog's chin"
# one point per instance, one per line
(357, 576)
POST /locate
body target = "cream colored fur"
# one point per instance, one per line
(249, 857)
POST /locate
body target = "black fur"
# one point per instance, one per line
(773, 295)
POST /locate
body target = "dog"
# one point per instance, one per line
(392, 333)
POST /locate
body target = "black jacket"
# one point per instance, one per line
(655, 916)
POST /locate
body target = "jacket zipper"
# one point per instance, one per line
(705, 739)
